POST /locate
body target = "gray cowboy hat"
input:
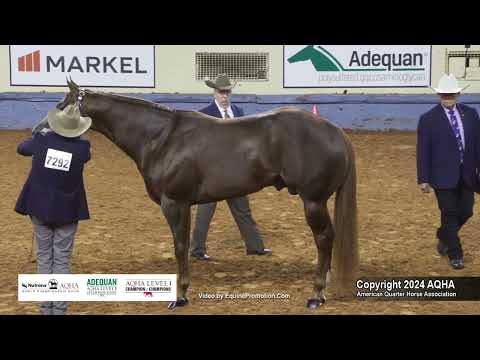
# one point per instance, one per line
(222, 82)
(68, 122)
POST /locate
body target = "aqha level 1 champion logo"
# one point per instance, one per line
(102, 287)
(148, 287)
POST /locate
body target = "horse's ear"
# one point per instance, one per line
(72, 85)
(73, 82)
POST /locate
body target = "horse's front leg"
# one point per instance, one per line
(178, 217)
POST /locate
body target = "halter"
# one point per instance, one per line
(80, 97)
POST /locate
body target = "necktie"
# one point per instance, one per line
(226, 114)
(456, 130)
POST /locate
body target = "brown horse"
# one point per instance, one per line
(188, 158)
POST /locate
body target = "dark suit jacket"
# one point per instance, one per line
(438, 158)
(54, 195)
(212, 110)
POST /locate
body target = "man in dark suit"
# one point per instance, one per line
(54, 195)
(239, 207)
(447, 161)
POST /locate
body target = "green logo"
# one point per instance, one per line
(102, 287)
(102, 282)
(322, 60)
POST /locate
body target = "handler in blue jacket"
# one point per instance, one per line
(54, 195)
(447, 160)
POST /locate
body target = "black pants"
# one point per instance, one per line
(456, 207)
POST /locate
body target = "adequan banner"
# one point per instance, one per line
(127, 66)
(343, 66)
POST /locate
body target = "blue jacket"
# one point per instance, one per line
(212, 110)
(55, 195)
(438, 158)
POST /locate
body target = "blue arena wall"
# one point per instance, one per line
(359, 112)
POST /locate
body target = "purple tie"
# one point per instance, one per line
(456, 130)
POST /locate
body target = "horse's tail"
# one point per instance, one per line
(345, 247)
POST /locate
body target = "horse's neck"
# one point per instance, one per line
(131, 130)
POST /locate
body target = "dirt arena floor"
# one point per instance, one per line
(128, 235)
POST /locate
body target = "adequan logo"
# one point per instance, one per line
(322, 60)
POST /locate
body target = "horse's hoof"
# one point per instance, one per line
(179, 303)
(315, 303)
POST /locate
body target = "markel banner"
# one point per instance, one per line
(130, 66)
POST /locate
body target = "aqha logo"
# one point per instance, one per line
(29, 62)
(69, 286)
(148, 294)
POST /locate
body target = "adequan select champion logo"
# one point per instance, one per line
(102, 287)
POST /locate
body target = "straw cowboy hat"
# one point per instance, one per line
(222, 82)
(68, 122)
(448, 84)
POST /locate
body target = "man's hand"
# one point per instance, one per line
(425, 187)
(43, 124)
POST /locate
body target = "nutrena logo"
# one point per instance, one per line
(323, 60)
(29, 62)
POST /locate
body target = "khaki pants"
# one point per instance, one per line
(240, 209)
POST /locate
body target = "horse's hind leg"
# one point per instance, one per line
(319, 221)
(178, 217)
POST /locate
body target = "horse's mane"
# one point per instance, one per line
(134, 101)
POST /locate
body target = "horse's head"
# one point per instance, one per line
(71, 97)
(75, 95)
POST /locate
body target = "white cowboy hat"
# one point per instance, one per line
(68, 122)
(448, 84)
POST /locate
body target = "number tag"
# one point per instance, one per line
(58, 160)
